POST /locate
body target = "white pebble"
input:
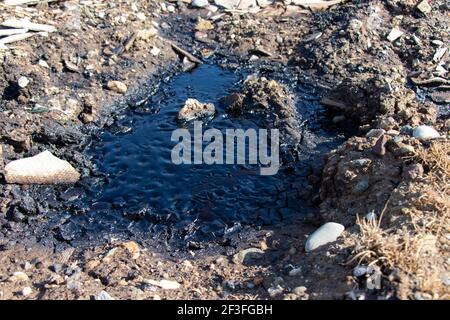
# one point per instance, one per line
(26, 291)
(327, 233)
(394, 34)
(200, 3)
(425, 133)
(155, 51)
(23, 82)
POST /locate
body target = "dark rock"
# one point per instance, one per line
(380, 146)
(413, 171)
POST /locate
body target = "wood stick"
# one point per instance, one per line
(26, 24)
(181, 51)
(15, 37)
(9, 32)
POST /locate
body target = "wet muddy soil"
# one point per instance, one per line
(144, 192)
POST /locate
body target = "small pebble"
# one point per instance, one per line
(361, 186)
(103, 295)
(117, 86)
(375, 133)
(23, 82)
(26, 291)
(301, 290)
(425, 133)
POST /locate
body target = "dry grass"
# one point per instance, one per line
(414, 237)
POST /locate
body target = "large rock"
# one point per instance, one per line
(194, 109)
(327, 233)
(43, 168)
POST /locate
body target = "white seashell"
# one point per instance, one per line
(43, 168)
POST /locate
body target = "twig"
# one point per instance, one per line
(15, 37)
(9, 32)
(182, 51)
(26, 24)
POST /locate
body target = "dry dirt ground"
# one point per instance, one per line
(370, 83)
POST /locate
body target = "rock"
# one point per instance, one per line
(117, 86)
(402, 149)
(26, 291)
(425, 133)
(388, 123)
(440, 52)
(57, 267)
(227, 4)
(338, 119)
(43, 64)
(394, 34)
(424, 7)
(275, 291)
(247, 255)
(380, 146)
(393, 132)
(155, 51)
(312, 37)
(103, 295)
(213, 9)
(247, 4)
(295, 272)
(27, 266)
(204, 25)
(264, 3)
(188, 64)
(194, 109)
(375, 133)
(407, 130)
(27, 205)
(359, 163)
(171, 8)
(437, 43)
(301, 290)
(23, 82)
(200, 3)
(201, 36)
(132, 247)
(413, 171)
(164, 284)
(361, 186)
(360, 271)
(327, 233)
(19, 276)
(43, 168)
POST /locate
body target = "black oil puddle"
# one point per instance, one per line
(140, 192)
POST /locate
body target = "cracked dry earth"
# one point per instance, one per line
(378, 67)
